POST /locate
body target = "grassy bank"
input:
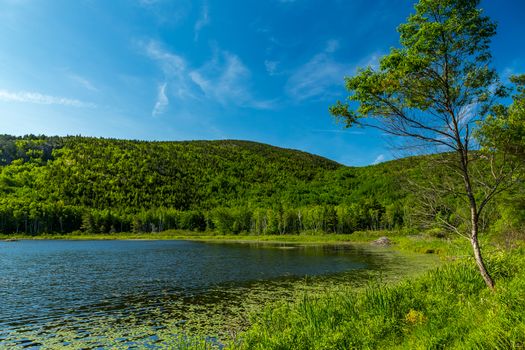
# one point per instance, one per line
(307, 237)
(400, 241)
(448, 307)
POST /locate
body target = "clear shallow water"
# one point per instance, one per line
(74, 286)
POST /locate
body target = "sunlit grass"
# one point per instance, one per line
(447, 308)
(209, 328)
(419, 243)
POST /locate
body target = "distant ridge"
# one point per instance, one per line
(97, 184)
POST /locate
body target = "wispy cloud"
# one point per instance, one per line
(317, 76)
(38, 98)
(226, 79)
(203, 21)
(371, 61)
(332, 46)
(271, 66)
(148, 2)
(513, 69)
(167, 11)
(508, 72)
(174, 68)
(162, 101)
(223, 79)
(379, 159)
(340, 131)
(170, 62)
(85, 83)
(323, 74)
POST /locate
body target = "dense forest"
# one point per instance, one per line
(67, 184)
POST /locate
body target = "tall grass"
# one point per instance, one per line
(446, 308)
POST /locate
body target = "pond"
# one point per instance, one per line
(62, 292)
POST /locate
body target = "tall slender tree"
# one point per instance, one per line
(434, 90)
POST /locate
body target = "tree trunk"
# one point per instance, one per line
(474, 221)
(477, 254)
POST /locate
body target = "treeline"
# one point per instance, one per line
(44, 217)
(29, 147)
(66, 184)
(135, 175)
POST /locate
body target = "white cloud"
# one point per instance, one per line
(203, 21)
(225, 79)
(38, 98)
(167, 11)
(174, 67)
(316, 77)
(371, 61)
(170, 63)
(379, 159)
(332, 46)
(340, 131)
(514, 69)
(162, 101)
(508, 71)
(83, 82)
(271, 66)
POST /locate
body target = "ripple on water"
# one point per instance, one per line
(94, 292)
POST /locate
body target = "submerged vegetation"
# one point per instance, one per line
(445, 307)
(438, 89)
(65, 188)
(449, 307)
(217, 313)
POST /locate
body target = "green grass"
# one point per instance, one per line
(446, 308)
(308, 237)
(401, 241)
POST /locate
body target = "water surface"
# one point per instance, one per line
(47, 287)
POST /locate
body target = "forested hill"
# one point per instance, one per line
(61, 184)
(105, 173)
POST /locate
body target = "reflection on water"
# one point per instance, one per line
(48, 287)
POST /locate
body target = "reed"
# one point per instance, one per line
(448, 307)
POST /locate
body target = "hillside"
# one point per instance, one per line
(65, 184)
(102, 173)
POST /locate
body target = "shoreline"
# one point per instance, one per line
(170, 235)
(421, 243)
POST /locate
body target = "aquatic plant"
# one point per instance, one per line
(448, 307)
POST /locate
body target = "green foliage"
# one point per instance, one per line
(104, 186)
(504, 129)
(447, 308)
(53, 184)
(434, 91)
(33, 148)
(440, 68)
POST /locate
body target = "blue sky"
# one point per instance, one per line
(261, 70)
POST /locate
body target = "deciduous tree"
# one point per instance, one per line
(434, 90)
